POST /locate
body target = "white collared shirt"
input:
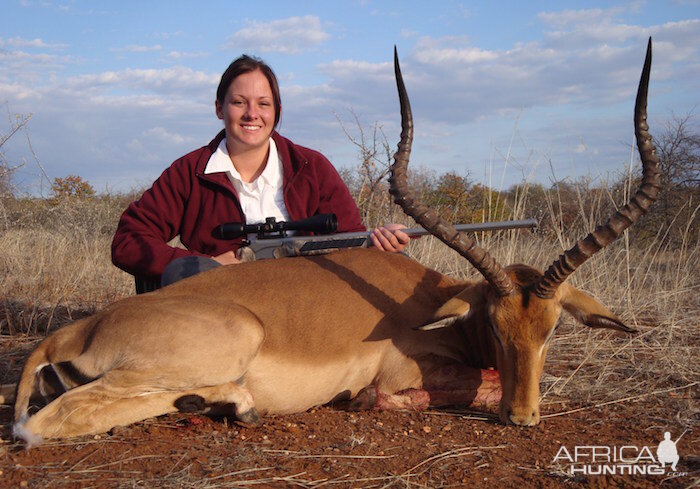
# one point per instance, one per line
(261, 198)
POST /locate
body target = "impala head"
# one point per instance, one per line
(524, 324)
(520, 304)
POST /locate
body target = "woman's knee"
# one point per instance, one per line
(186, 266)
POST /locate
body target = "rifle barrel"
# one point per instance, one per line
(311, 244)
(275, 247)
(480, 226)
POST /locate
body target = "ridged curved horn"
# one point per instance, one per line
(425, 216)
(628, 215)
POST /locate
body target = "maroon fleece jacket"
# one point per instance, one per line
(185, 201)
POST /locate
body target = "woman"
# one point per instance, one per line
(246, 173)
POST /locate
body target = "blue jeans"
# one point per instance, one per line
(186, 267)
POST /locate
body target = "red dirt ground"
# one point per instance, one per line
(329, 447)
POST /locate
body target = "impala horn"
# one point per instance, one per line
(426, 217)
(639, 204)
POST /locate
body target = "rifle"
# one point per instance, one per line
(272, 241)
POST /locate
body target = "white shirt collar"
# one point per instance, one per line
(220, 162)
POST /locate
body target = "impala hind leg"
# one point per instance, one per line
(99, 406)
(201, 352)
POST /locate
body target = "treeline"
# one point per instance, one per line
(564, 208)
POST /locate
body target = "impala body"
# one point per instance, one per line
(282, 336)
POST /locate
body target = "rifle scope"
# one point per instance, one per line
(271, 228)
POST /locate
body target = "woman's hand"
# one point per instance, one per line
(390, 238)
(227, 258)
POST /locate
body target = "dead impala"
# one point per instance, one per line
(282, 336)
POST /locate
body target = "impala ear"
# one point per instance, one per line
(587, 310)
(455, 309)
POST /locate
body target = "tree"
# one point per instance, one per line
(677, 210)
(679, 151)
(17, 122)
(367, 181)
(71, 187)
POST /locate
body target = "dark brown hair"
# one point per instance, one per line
(246, 64)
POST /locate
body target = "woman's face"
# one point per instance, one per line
(248, 112)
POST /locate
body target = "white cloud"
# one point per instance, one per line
(31, 68)
(567, 18)
(30, 61)
(361, 69)
(439, 51)
(291, 36)
(165, 36)
(19, 42)
(16, 91)
(147, 144)
(163, 135)
(181, 55)
(115, 118)
(595, 62)
(363, 86)
(581, 29)
(136, 48)
(178, 79)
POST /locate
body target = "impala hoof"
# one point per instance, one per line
(249, 418)
(365, 400)
(190, 404)
(521, 417)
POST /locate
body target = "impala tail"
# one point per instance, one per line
(62, 346)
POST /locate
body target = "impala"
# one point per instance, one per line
(282, 336)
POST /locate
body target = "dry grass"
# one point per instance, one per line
(50, 274)
(55, 268)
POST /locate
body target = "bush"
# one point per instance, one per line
(71, 187)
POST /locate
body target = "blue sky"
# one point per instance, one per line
(502, 91)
